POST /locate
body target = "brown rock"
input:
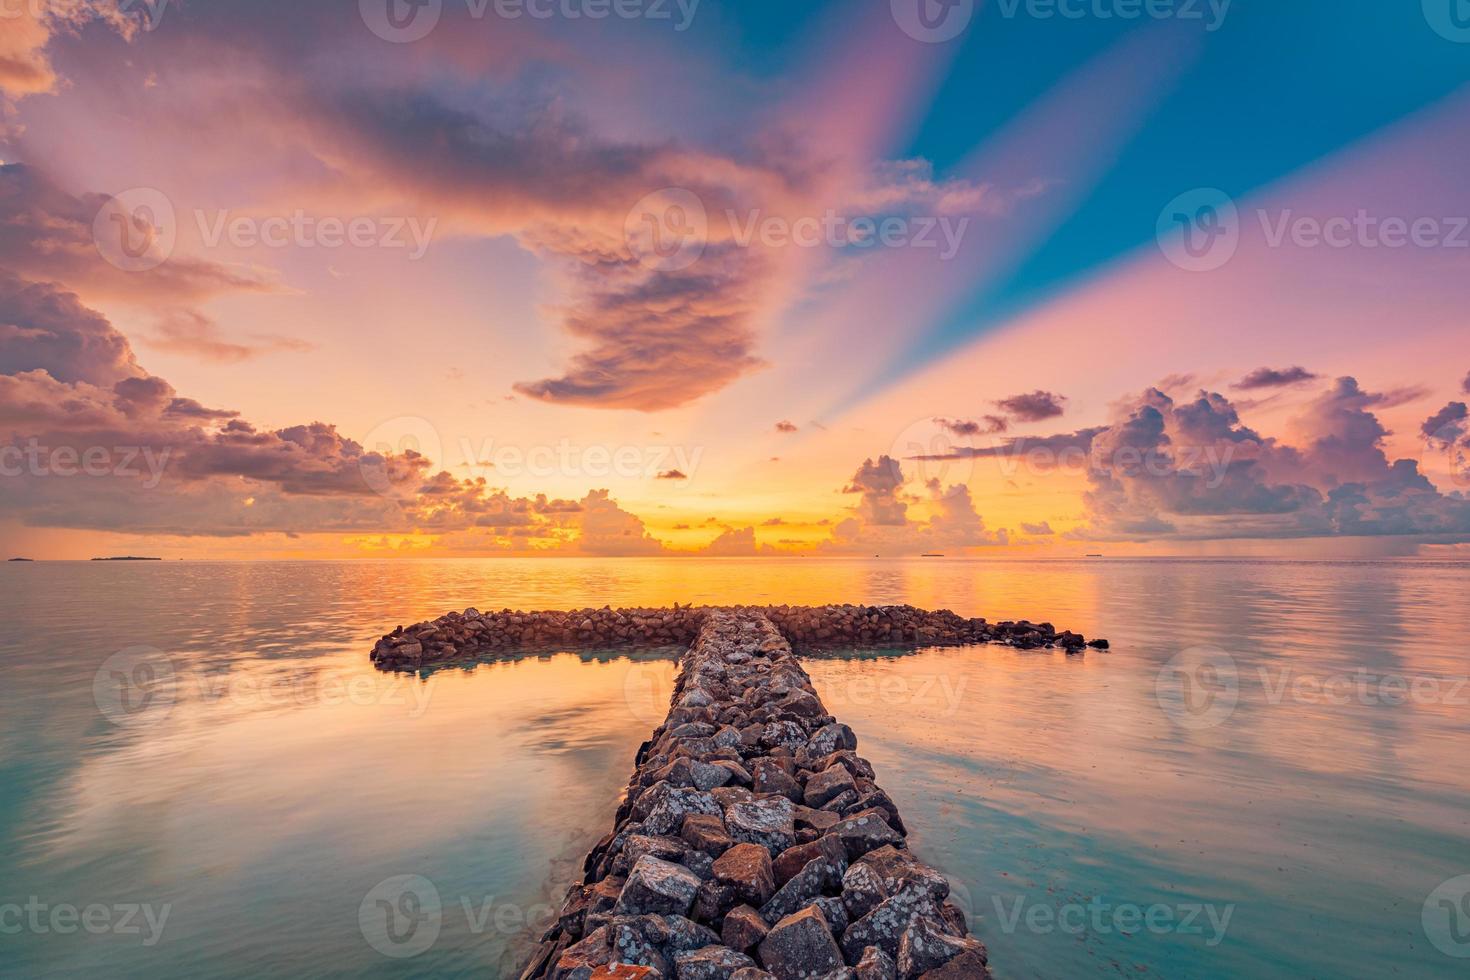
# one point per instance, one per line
(793, 859)
(578, 962)
(969, 965)
(706, 832)
(800, 945)
(657, 887)
(828, 785)
(744, 928)
(747, 868)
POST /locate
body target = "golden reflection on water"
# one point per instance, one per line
(287, 777)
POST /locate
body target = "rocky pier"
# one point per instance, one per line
(472, 634)
(754, 842)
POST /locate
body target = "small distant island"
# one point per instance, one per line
(127, 558)
(22, 559)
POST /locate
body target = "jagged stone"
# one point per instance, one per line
(864, 832)
(706, 832)
(800, 945)
(793, 859)
(876, 965)
(747, 868)
(769, 822)
(655, 886)
(744, 928)
(710, 963)
(827, 785)
(924, 947)
(820, 876)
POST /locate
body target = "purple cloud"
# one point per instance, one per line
(1273, 378)
(1034, 407)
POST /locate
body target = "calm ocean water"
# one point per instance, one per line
(1266, 777)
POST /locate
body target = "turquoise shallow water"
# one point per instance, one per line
(1265, 777)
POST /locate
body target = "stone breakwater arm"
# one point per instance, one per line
(754, 843)
(472, 634)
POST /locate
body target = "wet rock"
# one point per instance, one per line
(876, 965)
(864, 832)
(800, 945)
(710, 963)
(744, 928)
(578, 962)
(668, 805)
(769, 822)
(827, 785)
(747, 868)
(706, 832)
(969, 965)
(770, 777)
(819, 877)
(885, 925)
(924, 948)
(656, 886)
(863, 890)
(625, 971)
(793, 859)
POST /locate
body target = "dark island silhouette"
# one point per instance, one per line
(127, 558)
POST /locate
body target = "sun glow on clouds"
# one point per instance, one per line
(530, 321)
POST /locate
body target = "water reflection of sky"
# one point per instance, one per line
(287, 778)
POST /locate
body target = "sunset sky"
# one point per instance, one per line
(455, 278)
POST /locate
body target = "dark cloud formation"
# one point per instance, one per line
(1041, 530)
(1042, 452)
(47, 234)
(1465, 385)
(1034, 407)
(1191, 469)
(1273, 378)
(969, 428)
(45, 328)
(786, 427)
(673, 475)
(90, 440)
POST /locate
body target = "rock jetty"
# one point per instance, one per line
(473, 634)
(754, 842)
